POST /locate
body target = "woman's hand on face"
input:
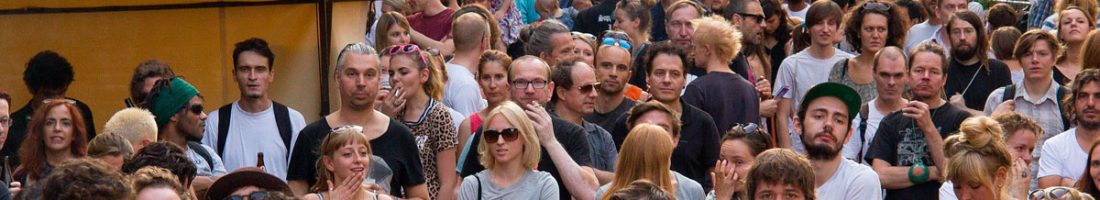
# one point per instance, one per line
(392, 104)
(348, 189)
(725, 181)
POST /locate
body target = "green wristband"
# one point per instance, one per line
(918, 179)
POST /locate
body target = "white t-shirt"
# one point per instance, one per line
(1063, 157)
(799, 72)
(796, 13)
(856, 143)
(203, 168)
(461, 92)
(918, 33)
(252, 133)
(851, 181)
(947, 191)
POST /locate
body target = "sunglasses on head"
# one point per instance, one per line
(877, 6)
(586, 36)
(408, 49)
(615, 38)
(62, 100)
(493, 135)
(252, 196)
(1052, 193)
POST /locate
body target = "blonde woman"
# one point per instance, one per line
(980, 165)
(345, 160)
(646, 154)
(509, 151)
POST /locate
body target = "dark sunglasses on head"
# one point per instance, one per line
(252, 196)
(754, 17)
(493, 135)
(876, 6)
(1049, 193)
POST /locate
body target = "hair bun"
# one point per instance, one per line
(980, 131)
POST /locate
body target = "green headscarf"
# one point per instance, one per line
(172, 98)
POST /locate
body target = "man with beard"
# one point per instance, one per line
(254, 123)
(612, 71)
(574, 97)
(178, 108)
(908, 146)
(698, 146)
(1064, 155)
(357, 75)
(824, 121)
(971, 74)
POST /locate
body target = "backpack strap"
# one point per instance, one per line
(282, 120)
(864, 111)
(195, 146)
(1010, 93)
(1061, 94)
(478, 186)
(223, 125)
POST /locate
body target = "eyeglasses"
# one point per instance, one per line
(1049, 193)
(876, 6)
(252, 196)
(754, 17)
(493, 135)
(586, 36)
(523, 84)
(194, 108)
(408, 49)
(616, 38)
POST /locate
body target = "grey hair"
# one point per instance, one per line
(539, 41)
(356, 48)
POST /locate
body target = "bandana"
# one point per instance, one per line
(171, 99)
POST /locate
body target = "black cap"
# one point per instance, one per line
(840, 91)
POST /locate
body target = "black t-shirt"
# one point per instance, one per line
(739, 65)
(607, 120)
(596, 19)
(993, 76)
(901, 143)
(572, 138)
(397, 147)
(1060, 77)
(21, 118)
(657, 32)
(698, 148)
(727, 97)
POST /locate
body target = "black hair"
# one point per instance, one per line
(256, 45)
(48, 70)
(164, 155)
(665, 47)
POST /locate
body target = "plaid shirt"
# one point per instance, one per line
(1039, 11)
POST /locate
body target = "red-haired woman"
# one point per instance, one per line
(56, 134)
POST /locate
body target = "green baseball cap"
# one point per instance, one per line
(840, 91)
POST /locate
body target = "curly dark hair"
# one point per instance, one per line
(895, 24)
(256, 45)
(164, 155)
(48, 70)
(85, 178)
(147, 69)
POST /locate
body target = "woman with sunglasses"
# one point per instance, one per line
(509, 151)
(493, 68)
(56, 134)
(871, 26)
(344, 164)
(740, 146)
(416, 102)
(646, 154)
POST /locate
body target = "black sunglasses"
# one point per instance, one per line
(758, 18)
(194, 108)
(252, 196)
(588, 88)
(493, 135)
(876, 6)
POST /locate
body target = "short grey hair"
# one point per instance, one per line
(356, 48)
(539, 41)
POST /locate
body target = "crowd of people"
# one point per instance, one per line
(608, 99)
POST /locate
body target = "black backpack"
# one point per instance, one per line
(864, 110)
(282, 120)
(1010, 93)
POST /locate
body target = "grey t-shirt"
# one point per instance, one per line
(533, 185)
(685, 188)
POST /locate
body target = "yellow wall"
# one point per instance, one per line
(105, 47)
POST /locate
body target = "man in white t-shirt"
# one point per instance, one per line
(254, 123)
(1064, 156)
(808, 67)
(891, 76)
(471, 39)
(931, 28)
(797, 8)
(823, 121)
